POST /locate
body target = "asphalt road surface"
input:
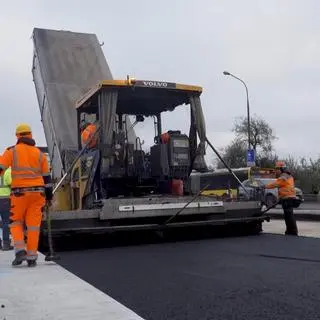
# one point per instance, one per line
(257, 277)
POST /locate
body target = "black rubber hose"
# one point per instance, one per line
(199, 193)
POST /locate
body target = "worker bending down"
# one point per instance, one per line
(287, 196)
(87, 131)
(31, 188)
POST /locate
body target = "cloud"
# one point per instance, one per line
(273, 45)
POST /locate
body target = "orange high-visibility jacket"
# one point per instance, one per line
(28, 164)
(285, 185)
(87, 133)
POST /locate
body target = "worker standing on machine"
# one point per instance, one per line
(5, 190)
(31, 188)
(87, 131)
(287, 196)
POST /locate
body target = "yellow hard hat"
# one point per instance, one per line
(23, 128)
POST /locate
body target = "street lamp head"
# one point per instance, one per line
(226, 73)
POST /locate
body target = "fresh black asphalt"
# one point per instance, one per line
(254, 277)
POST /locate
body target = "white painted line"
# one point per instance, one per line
(49, 292)
(164, 206)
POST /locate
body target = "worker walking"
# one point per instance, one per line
(87, 131)
(287, 196)
(31, 187)
(5, 190)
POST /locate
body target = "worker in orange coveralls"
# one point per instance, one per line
(87, 131)
(287, 194)
(31, 190)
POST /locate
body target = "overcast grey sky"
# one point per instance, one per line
(274, 45)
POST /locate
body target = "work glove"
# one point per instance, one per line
(47, 206)
(49, 203)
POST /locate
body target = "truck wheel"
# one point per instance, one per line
(270, 200)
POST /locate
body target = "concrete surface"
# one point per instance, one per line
(310, 205)
(49, 292)
(306, 228)
(307, 206)
(307, 211)
(258, 277)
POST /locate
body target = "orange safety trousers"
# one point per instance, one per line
(26, 209)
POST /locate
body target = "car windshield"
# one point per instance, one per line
(266, 181)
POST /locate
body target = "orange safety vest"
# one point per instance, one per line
(87, 133)
(28, 165)
(285, 184)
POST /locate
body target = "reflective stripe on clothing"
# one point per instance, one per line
(32, 255)
(33, 228)
(28, 165)
(25, 171)
(285, 184)
(20, 243)
(19, 246)
(31, 189)
(16, 223)
(287, 190)
(2, 182)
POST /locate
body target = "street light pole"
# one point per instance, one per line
(226, 73)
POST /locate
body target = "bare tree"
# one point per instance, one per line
(261, 134)
(234, 155)
(306, 173)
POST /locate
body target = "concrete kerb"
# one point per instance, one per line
(300, 215)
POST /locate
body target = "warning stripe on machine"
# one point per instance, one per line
(166, 206)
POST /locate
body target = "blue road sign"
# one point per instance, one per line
(251, 157)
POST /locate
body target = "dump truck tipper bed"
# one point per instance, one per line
(65, 66)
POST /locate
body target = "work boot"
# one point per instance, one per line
(291, 233)
(32, 263)
(6, 246)
(20, 257)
